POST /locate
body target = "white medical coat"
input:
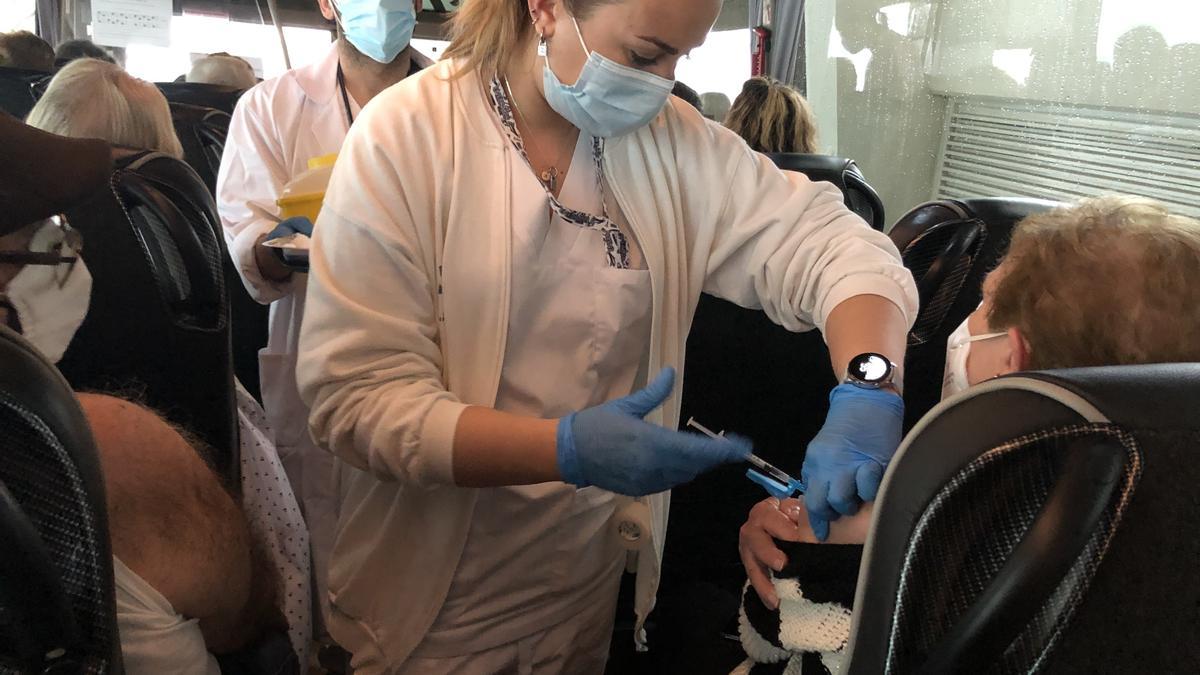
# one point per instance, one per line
(277, 127)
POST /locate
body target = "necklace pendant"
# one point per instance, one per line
(550, 178)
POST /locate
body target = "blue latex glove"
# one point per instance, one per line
(845, 462)
(294, 225)
(610, 446)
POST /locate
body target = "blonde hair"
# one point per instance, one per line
(1112, 280)
(485, 34)
(90, 98)
(773, 117)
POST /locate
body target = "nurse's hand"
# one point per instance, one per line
(845, 461)
(610, 446)
(277, 264)
(769, 520)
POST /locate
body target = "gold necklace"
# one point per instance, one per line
(549, 176)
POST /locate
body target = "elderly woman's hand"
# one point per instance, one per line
(770, 519)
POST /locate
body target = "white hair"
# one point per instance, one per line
(90, 98)
(227, 71)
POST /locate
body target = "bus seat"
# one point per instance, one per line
(201, 94)
(860, 197)
(202, 133)
(158, 324)
(57, 612)
(949, 246)
(1040, 521)
(18, 90)
(742, 374)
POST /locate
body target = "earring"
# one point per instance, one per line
(541, 48)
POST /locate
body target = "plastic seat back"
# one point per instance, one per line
(1040, 522)
(56, 581)
(202, 132)
(860, 197)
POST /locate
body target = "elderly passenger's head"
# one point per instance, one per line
(1109, 281)
(22, 49)
(224, 70)
(89, 98)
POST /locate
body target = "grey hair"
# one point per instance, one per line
(90, 98)
(228, 71)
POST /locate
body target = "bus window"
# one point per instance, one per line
(17, 15)
(1058, 99)
(196, 35)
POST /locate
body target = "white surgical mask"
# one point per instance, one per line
(958, 348)
(608, 99)
(51, 301)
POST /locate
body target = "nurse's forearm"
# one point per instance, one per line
(493, 448)
(866, 323)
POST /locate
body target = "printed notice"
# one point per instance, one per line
(120, 23)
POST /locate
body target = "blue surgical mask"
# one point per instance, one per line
(608, 99)
(379, 29)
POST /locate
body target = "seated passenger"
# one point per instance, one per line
(91, 98)
(224, 70)
(22, 49)
(190, 579)
(1109, 281)
(773, 117)
(72, 50)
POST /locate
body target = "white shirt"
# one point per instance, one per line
(410, 302)
(536, 555)
(277, 127)
(274, 516)
(154, 637)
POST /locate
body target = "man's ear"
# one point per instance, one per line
(326, 7)
(1019, 354)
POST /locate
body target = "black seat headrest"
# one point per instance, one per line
(844, 173)
(20, 90)
(201, 94)
(202, 132)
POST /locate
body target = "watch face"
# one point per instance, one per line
(870, 367)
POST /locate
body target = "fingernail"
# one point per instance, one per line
(792, 511)
(778, 564)
(772, 601)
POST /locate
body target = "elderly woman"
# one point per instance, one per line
(1077, 252)
(90, 98)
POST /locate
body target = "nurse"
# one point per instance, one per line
(276, 128)
(504, 274)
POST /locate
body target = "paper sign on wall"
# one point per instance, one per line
(120, 23)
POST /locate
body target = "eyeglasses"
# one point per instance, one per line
(72, 239)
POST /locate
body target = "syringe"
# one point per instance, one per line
(773, 479)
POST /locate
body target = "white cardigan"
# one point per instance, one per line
(408, 310)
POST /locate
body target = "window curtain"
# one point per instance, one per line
(785, 18)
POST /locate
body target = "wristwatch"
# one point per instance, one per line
(871, 371)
